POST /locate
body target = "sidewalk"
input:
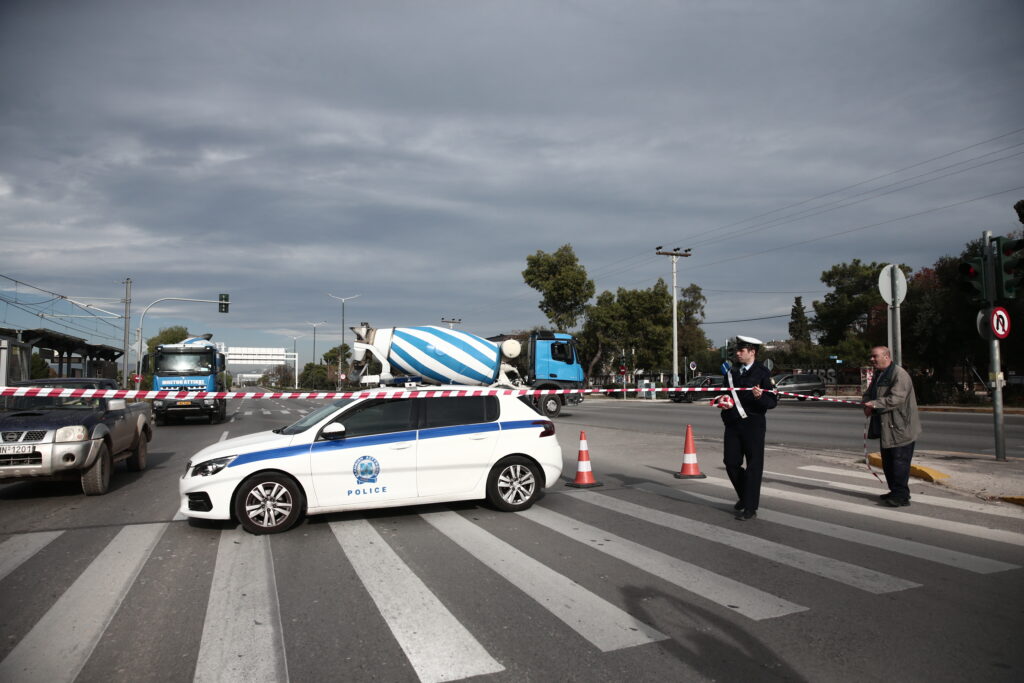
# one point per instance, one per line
(980, 476)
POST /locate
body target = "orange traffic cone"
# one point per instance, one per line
(584, 475)
(691, 469)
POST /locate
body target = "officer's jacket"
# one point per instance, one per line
(757, 376)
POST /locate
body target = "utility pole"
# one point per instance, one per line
(675, 254)
(451, 322)
(127, 326)
(341, 351)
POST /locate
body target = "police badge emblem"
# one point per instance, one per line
(366, 469)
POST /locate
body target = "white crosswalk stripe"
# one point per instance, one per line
(242, 629)
(58, 645)
(606, 626)
(837, 570)
(15, 550)
(437, 645)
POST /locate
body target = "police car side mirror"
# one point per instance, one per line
(333, 431)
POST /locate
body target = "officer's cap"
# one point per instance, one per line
(748, 342)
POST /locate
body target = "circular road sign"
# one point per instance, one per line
(693, 365)
(885, 282)
(1000, 322)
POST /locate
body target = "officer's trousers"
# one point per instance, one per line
(745, 440)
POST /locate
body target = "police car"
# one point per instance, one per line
(355, 454)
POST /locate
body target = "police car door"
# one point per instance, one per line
(457, 440)
(374, 461)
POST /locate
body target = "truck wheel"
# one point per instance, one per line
(136, 462)
(96, 479)
(268, 503)
(513, 484)
(551, 406)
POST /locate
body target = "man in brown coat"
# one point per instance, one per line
(892, 407)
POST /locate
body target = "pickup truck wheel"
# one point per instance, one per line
(513, 484)
(268, 503)
(136, 462)
(96, 479)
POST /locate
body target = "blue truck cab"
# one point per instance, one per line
(195, 364)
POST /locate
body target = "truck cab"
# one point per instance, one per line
(195, 364)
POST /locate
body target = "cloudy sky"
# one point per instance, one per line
(414, 153)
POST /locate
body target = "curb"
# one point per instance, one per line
(934, 475)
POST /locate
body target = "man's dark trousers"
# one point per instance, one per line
(896, 466)
(746, 438)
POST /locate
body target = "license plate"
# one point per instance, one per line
(184, 403)
(15, 450)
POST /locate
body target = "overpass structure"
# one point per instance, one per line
(241, 355)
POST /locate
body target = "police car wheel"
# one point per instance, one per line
(268, 503)
(514, 484)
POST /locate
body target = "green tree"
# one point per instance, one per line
(563, 283)
(40, 368)
(690, 315)
(799, 326)
(853, 306)
(314, 376)
(632, 326)
(167, 335)
(603, 331)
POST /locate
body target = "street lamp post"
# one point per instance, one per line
(316, 325)
(142, 318)
(675, 254)
(341, 351)
(295, 353)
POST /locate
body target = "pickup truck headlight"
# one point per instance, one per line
(205, 469)
(73, 433)
(157, 403)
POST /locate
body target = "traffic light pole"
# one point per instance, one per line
(995, 373)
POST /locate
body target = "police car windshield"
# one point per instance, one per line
(315, 417)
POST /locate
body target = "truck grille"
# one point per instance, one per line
(21, 460)
(21, 437)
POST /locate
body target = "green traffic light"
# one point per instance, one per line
(1009, 266)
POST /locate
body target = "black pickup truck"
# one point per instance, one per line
(61, 438)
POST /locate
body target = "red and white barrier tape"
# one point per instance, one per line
(365, 393)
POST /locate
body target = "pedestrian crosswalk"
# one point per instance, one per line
(243, 634)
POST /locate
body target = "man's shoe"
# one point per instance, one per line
(885, 496)
(746, 514)
(738, 505)
(897, 502)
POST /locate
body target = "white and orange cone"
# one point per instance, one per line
(584, 473)
(691, 468)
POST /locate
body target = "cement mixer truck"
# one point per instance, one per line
(438, 355)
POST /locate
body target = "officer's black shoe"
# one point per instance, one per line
(897, 502)
(738, 505)
(885, 496)
(746, 514)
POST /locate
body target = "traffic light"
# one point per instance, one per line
(972, 277)
(225, 301)
(1009, 266)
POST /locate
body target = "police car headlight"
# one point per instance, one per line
(73, 433)
(210, 467)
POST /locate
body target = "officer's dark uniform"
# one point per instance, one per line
(745, 437)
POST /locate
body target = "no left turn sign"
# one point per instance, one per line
(1000, 322)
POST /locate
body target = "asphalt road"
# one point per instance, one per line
(647, 577)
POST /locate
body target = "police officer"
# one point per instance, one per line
(745, 425)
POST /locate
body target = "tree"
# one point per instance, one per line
(634, 322)
(563, 284)
(799, 327)
(167, 335)
(853, 305)
(603, 330)
(314, 376)
(40, 369)
(690, 315)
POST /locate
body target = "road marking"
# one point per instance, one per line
(606, 626)
(923, 551)
(223, 436)
(16, 550)
(899, 515)
(825, 567)
(1013, 511)
(61, 642)
(739, 597)
(242, 635)
(438, 646)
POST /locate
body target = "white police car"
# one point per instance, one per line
(354, 454)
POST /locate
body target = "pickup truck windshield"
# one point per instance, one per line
(22, 403)
(184, 363)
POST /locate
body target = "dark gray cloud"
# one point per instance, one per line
(415, 153)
